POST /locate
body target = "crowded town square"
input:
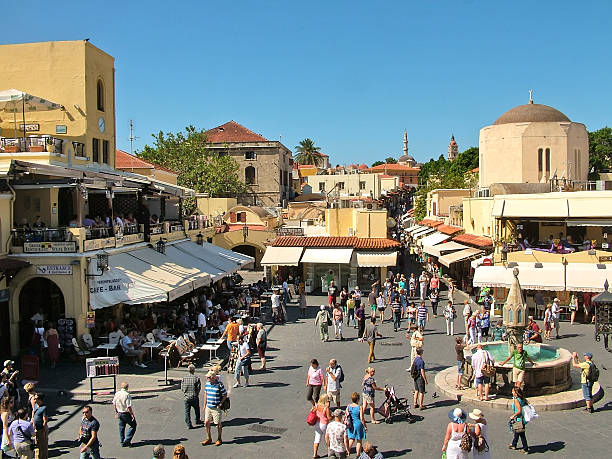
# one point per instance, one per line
(341, 229)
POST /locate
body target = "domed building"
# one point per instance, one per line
(406, 159)
(532, 143)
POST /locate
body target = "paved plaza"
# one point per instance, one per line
(268, 418)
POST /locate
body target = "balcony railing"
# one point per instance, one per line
(22, 235)
(34, 143)
(98, 233)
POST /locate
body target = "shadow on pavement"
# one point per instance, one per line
(554, 446)
(396, 453)
(286, 367)
(244, 421)
(270, 384)
(253, 439)
(441, 403)
(158, 441)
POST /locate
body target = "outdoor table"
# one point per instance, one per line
(152, 346)
(103, 338)
(254, 308)
(215, 341)
(210, 348)
(214, 331)
(167, 339)
(108, 347)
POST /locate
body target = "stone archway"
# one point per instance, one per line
(39, 294)
(251, 250)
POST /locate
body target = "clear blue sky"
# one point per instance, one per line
(349, 74)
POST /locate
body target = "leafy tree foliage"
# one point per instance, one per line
(198, 168)
(600, 151)
(391, 160)
(442, 173)
(377, 163)
(308, 153)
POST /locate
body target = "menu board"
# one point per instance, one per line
(102, 366)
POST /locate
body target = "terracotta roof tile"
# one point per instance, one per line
(393, 167)
(123, 160)
(449, 229)
(476, 241)
(429, 222)
(233, 132)
(335, 241)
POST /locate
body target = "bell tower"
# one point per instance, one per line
(453, 149)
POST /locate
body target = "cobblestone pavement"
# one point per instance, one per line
(268, 418)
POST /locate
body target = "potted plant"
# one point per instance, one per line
(50, 145)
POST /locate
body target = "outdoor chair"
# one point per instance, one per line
(79, 352)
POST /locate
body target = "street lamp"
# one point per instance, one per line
(603, 315)
(245, 231)
(199, 239)
(101, 264)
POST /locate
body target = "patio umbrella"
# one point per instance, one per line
(13, 101)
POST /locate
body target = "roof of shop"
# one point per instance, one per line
(335, 241)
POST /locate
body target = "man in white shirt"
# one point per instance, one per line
(122, 402)
(479, 358)
(335, 436)
(332, 382)
(276, 304)
(130, 350)
(202, 326)
(555, 311)
(467, 313)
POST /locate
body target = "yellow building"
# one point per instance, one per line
(80, 79)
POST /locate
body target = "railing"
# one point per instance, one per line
(174, 226)
(130, 228)
(98, 233)
(198, 222)
(156, 228)
(21, 235)
(34, 143)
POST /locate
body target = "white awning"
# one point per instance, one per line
(212, 255)
(438, 249)
(376, 259)
(549, 277)
(176, 265)
(433, 239)
(230, 255)
(607, 222)
(531, 207)
(334, 256)
(415, 228)
(588, 277)
(422, 233)
(454, 257)
(201, 265)
(282, 256)
(132, 281)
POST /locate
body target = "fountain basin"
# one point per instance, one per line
(552, 373)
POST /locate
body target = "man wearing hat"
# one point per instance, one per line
(336, 437)
(214, 396)
(322, 322)
(587, 385)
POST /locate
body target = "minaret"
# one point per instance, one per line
(453, 149)
(405, 142)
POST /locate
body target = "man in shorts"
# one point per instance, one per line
(214, 396)
(418, 370)
(587, 385)
(331, 383)
(372, 300)
(479, 359)
(332, 294)
(518, 367)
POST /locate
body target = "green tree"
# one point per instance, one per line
(197, 167)
(600, 152)
(308, 153)
(377, 163)
(391, 160)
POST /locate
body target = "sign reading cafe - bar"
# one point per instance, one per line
(50, 247)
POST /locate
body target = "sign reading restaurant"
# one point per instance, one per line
(50, 247)
(50, 270)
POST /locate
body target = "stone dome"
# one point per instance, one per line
(529, 113)
(405, 159)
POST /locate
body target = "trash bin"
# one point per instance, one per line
(30, 367)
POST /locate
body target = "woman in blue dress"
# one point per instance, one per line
(358, 431)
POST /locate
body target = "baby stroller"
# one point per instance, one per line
(393, 405)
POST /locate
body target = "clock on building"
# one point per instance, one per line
(101, 125)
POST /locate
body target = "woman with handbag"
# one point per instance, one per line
(517, 422)
(314, 382)
(480, 449)
(21, 433)
(356, 429)
(454, 435)
(323, 416)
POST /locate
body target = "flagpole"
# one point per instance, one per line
(25, 145)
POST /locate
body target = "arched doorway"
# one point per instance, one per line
(249, 250)
(39, 295)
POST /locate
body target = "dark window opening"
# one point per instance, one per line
(95, 150)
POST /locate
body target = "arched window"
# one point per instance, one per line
(249, 175)
(100, 95)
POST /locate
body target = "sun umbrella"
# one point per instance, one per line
(13, 101)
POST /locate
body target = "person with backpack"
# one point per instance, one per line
(588, 376)
(454, 444)
(417, 371)
(334, 376)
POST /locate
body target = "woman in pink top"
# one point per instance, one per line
(314, 381)
(323, 417)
